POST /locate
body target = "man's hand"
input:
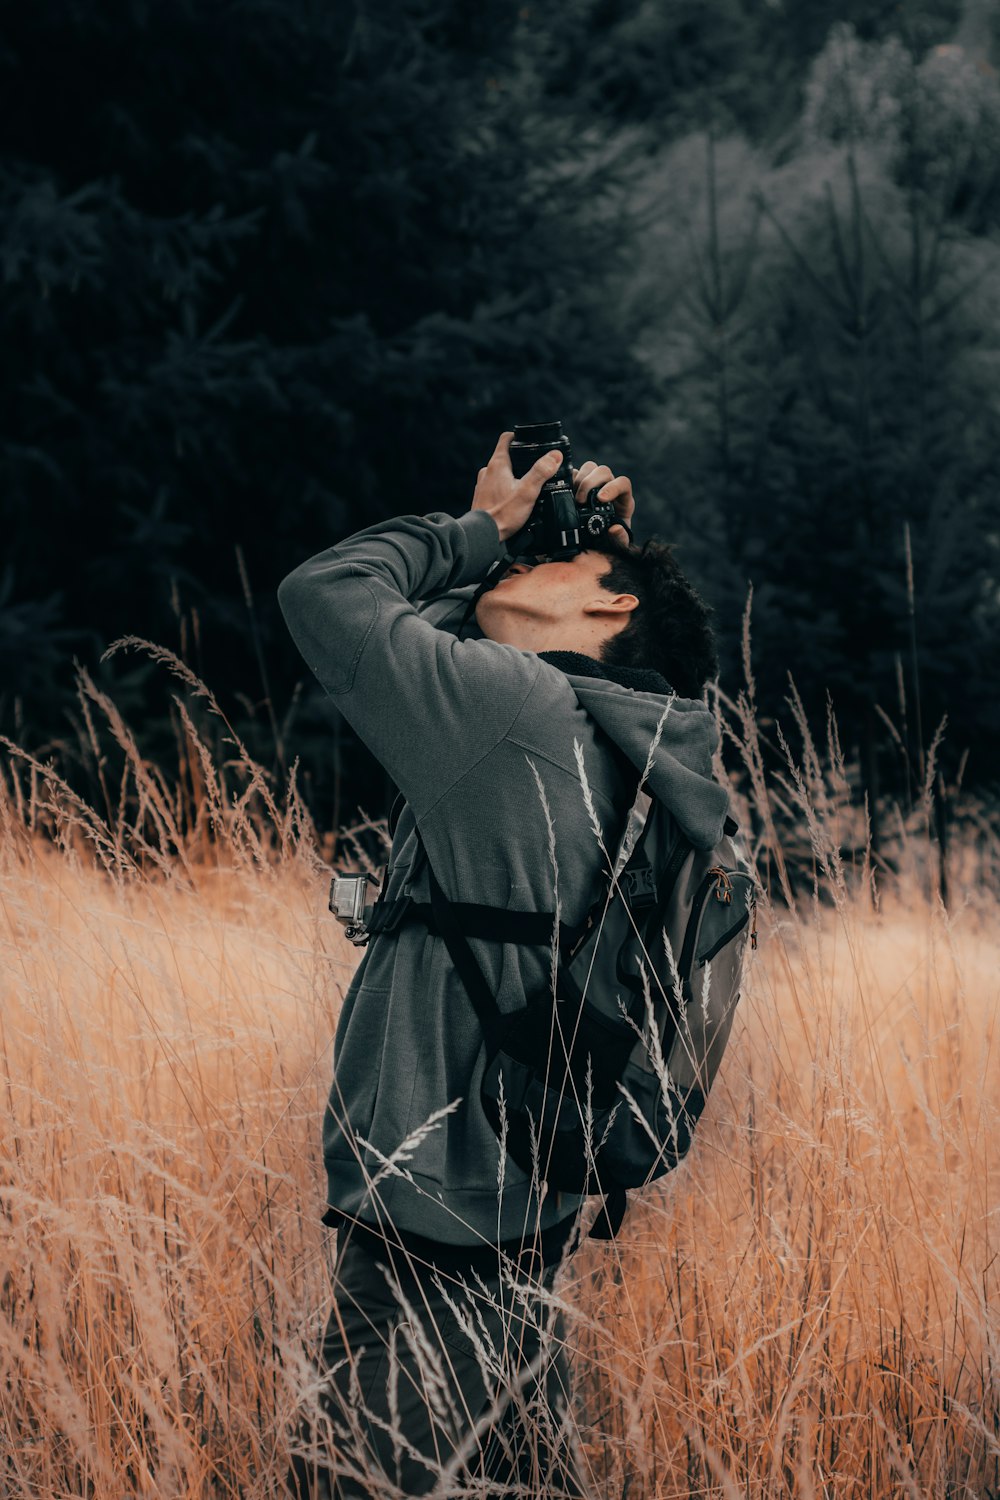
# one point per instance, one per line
(589, 475)
(508, 500)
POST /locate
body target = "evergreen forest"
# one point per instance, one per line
(275, 272)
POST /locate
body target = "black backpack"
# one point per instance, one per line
(646, 989)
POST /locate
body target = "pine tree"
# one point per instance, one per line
(829, 387)
(273, 271)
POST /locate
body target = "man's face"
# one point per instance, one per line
(534, 599)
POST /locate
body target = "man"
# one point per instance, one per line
(443, 1353)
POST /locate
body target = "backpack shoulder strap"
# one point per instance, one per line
(462, 956)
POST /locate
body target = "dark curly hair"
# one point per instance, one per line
(670, 631)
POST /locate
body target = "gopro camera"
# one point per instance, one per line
(349, 906)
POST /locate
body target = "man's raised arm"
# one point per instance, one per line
(426, 704)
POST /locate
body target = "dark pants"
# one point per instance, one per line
(415, 1391)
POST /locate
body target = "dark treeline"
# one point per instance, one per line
(273, 272)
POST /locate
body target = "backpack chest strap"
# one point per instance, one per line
(493, 923)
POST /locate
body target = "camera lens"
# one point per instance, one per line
(531, 440)
(546, 434)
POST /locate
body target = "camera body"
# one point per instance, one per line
(558, 527)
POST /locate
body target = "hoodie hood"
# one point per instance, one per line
(681, 775)
(628, 704)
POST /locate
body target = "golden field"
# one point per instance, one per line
(807, 1307)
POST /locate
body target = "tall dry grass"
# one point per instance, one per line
(807, 1307)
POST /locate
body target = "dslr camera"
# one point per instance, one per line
(558, 527)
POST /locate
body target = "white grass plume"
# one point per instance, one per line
(405, 1151)
(588, 798)
(551, 841)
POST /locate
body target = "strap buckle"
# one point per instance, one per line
(638, 887)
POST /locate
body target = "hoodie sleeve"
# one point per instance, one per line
(427, 705)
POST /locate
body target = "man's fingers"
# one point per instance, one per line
(590, 475)
(587, 477)
(543, 468)
(502, 449)
(617, 488)
(609, 487)
(620, 491)
(583, 479)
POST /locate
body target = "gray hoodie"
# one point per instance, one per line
(481, 739)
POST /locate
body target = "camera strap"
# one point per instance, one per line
(491, 580)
